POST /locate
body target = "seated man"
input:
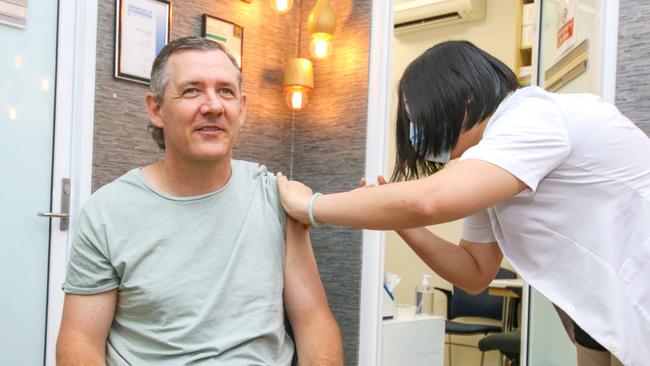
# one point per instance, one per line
(191, 260)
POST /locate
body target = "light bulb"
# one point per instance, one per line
(320, 46)
(281, 6)
(296, 98)
(321, 25)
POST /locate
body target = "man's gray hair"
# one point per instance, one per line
(160, 76)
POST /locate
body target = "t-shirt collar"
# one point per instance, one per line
(509, 100)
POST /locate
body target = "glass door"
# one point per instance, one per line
(574, 57)
(27, 97)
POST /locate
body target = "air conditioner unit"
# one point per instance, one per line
(412, 15)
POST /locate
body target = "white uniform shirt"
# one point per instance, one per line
(580, 233)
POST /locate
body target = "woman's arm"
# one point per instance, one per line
(470, 266)
(459, 190)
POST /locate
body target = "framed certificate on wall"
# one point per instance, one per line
(142, 29)
(229, 34)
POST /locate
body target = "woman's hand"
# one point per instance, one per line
(380, 182)
(294, 197)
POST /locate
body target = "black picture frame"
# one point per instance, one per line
(142, 29)
(230, 34)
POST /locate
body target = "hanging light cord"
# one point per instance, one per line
(293, 113)
(293, 123)
(299, 25)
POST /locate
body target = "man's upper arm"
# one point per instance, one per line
(85, 325)
(317, 336)
(304, 295)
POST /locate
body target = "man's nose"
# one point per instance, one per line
(212, 103)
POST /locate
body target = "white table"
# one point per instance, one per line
(413, 340)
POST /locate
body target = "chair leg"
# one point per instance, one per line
(449, 350)
(482, 357)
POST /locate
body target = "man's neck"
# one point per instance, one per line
(184, 179)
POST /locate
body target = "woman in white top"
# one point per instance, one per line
(559, 184)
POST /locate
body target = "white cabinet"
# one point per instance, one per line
(413, 340)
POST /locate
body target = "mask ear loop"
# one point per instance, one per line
(414, 137)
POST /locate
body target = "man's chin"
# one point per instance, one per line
(212, 155)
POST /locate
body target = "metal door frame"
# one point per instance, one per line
(73, 141)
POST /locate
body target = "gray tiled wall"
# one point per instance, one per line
(121, 140)
(329, 153)
(328, 138)
(633, 63)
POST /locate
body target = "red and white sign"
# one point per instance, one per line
(565, 36)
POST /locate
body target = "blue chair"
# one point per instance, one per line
(463, 304)
(507, 343)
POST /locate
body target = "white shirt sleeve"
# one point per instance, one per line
(528, 139)
(477, 228)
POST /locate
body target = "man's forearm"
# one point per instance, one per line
(73, 350)
(81, 358)
(320, 343)
(76, 353)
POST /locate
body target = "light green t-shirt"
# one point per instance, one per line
(199, 279)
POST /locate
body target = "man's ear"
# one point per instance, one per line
(242, 110)
(154, 108)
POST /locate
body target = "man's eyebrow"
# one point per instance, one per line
(220, 84)
(228, 84)
(185, 83)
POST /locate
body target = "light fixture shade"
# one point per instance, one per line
(298, 80)
(299, 72)
(322, 18)
(281, 6)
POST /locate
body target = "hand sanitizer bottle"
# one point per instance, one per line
(424, 297)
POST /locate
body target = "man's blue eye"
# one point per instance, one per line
(226, 91)
(190, 91)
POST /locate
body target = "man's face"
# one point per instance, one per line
(203, 107)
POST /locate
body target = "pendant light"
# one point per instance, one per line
(321, 25)
(281, 6)
(298, 81)
(298, 77)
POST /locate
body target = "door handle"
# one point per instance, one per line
(53, 215)
(64, 215)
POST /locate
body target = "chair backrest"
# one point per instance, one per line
(482, 305)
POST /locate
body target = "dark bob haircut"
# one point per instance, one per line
(450, 88)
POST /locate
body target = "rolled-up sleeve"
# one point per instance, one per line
(90, 270)
(477, 228)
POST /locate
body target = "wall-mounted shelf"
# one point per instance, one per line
(524, 39)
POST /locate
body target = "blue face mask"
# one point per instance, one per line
(414, 136)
